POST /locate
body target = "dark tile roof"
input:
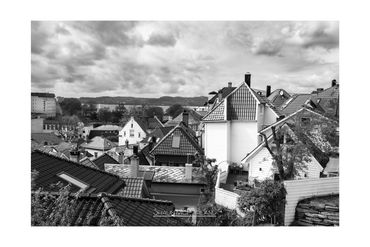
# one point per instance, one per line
(48, 168)
(87, 162)
(278, 97)
(144, 155)
(134, 188)
(90, 209)
(162, 174)
(50, 138)
(188, 144)
(154, 123)
(99, 143)
(224, 91)
(194, 119)
(294, 103)
(46, 95)
(104, 159)
(158, 133)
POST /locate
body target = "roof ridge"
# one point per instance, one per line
(78, 164)
(103, 194)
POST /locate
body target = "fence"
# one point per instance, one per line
(305, 188)
(223, 197)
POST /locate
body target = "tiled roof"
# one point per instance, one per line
(331, 92)
(332, 166)
(217, 113)
(89, 210)
(134, 188)
(278, 97)
(158, 133)
(194, 118)
(154, 123)
(50, 138)
(188, 144)
(87, 162)
(224, 91)
(48, 168)
(104, 159)
(108, 127)
(294, 103)
(162, 174)
(99, 143)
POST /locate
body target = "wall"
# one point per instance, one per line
(263, 160)
(44, 105)
(37, 125)
(131, 139)
(270, 116)
(243, 139)
(305, 188)
(216, 141)
(226, 198)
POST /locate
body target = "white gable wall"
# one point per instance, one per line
(216, 141)
(243, 139)
(270, 116)
(124, 134)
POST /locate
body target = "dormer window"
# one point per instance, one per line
(73, 180)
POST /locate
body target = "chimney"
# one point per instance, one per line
(185, 118)
(219, 94)
(230, 84)
(319, 89)
(74, 155)
(268, 90)
(247, 79)
(134, 160)
(188, 172)
(120, 158)
(126, 142)
(333, 83)
(135, 149)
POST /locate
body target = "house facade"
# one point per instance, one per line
(44, 104)
(133, 132)
(231, 127)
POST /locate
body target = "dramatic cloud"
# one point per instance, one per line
(152, 59)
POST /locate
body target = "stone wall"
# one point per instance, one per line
(318, 211)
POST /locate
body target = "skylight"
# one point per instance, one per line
(73, 180)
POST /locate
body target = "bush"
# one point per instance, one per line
(267, 201)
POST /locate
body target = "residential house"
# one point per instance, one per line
(190, 117)
(92, 208)
(98, 146)
(154, 123)
(177, 148)
(110, 132)
(43, 104)
(231, 127)
(133, 132)
(181, 185)
(278, 97)
(104, 159)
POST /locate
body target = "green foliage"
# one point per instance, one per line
(210, 173)
(154, 111)
(267, 201)
(70, 106)
(211, 214)
(174, 110)
(105, 115)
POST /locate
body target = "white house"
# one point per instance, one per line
(231, 127)
(134, 131)
(98, 146)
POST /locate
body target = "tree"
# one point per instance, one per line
(266, 201)
(70, 106)
(105, 115)
(154, 111)
(292, 145)
(174, 110)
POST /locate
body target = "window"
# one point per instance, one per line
(138, 134)
(260, 169)
(73, 180)
(176, 141)
(96, 154)
(132, 125)
(124, 133)
(132, 131)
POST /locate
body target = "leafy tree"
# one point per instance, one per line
(174, 110)
(154, 111)
(266, 201)
(116, 116)
(70, 106)
(292, 144)
(105, 115)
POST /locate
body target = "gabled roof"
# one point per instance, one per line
(294, 103)
(188, 143)
(49, 167)
(99, 143)
(90, 210)
(194, 118)
(332, 166)
(162, 174)
(50, 138)
(104, 159)
(87, 162)
(329, 93)
(158, 133)
(154, 123)
(134, 188)
(108, 128)
(278, 97)
(225, 91)
(241, 105)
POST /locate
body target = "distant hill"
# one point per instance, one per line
(165, 100)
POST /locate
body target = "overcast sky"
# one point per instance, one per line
(153, 59)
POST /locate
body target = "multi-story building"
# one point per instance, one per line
(43, 104)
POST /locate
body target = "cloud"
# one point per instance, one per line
(159, 39)
(268, 47)
(38, 37)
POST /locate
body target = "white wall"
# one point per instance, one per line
(243, 139)
(226, 198)
(216, 141)
(300, 189)
(262, 160)
(270, 116)
(131, 139)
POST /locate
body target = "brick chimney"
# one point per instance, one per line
(333, 83)
(219, 95)
(185, 118)
(134, 171)
(188, 172)
(247, 79)
(230, 84)
(268, 90)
